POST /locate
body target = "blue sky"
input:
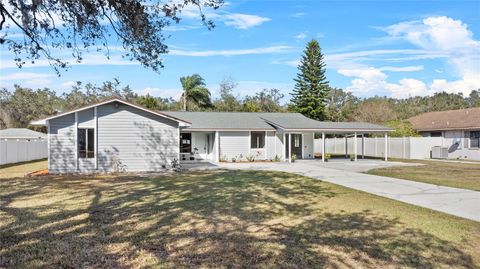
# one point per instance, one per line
(392, 48)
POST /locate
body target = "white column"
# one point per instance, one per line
(217, 147)
(95, 138)
(355, 145)
(289, 147)
(323, 147)
(76, 140)
(386, 146)
(284, 150)
(363, 146)
(49, 137)
(346, 146)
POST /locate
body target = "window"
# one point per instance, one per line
(86, 142)
(257, 140)
(436, 134)
(475, 139)
(297, 141)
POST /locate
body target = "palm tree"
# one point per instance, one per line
(194, 90)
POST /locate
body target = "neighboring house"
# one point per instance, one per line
(460, 130)
(116, 135)
(21, 145)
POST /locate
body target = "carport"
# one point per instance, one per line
(298, 129)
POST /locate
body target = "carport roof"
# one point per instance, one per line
(269, 121)
(21, 133)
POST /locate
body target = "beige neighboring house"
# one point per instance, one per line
(459, 130)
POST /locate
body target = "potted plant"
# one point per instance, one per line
(234, 159)
(327, 156)
(294, 158)
(352, 157)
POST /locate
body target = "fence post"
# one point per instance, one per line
(376, 153)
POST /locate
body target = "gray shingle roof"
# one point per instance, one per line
(266, 121)
(222, 120)
(21, 133)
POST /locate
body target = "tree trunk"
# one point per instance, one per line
(184, 101)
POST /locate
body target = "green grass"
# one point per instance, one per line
(221, 219)
(452, 174)
(21, 169)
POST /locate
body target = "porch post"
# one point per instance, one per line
(284, 150)
(346, 146)
(217, 147)
(355, 145)
(289, 147)
(386, 146)
(323, 146)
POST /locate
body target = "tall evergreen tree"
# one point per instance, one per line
(311, 85)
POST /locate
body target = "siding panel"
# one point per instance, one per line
(130, 139)
(62, 144)
(234, 144)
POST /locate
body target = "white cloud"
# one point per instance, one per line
(446, 36)
(372, 80)
(237, 20)
(160, 92)
(402, 68)
(206, 53)
(26, 79)
(68, 84)
(301, 35)
(298, 14)
(244, 21)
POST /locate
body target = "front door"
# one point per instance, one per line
(296, 141)
(185, 146)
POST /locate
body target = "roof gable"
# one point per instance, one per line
(181, 121)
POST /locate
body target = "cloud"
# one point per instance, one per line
(402, 68)
(206, 53)
(161, 92)
(298, 15)
(368, 80)
(237, 20)
(450, 37)
(244, 21)
(301, 35)
(26, 79)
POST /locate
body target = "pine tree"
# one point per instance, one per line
(311, 85)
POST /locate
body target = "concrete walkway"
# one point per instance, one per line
(458, 202)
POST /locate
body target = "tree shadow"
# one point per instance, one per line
(218, 219)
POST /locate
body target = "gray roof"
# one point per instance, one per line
(223, 120)
(267, 121)
(21, 133)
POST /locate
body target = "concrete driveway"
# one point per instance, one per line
(458, 202)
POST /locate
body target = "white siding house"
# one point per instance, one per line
(116, 135)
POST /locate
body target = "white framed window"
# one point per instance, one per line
(86, 143)
(257, 140)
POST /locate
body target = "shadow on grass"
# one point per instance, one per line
(208, 219)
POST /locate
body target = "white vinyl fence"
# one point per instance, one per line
(14, 151)
(398, 147)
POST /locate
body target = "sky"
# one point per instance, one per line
(387, 48)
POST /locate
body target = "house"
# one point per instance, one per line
(117, 135)
(459, 130)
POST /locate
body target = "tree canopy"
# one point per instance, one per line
(51, 26)
(311, 85)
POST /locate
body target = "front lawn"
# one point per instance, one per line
(221, 219)
(452, 174)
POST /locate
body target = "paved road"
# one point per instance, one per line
(458, 202)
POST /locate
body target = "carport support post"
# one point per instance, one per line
(217, 147)
(363, 146)
(355, 145)
(323, 147)
(289, 147)
(386, 146)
